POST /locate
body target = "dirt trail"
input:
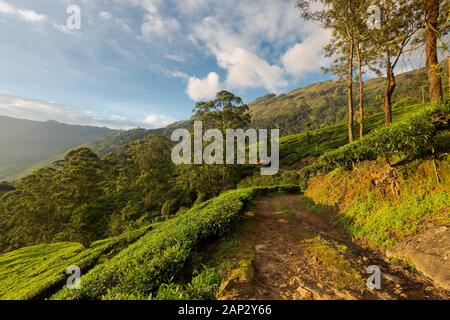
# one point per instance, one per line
(284, 252)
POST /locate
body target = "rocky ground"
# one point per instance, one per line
(281, 251)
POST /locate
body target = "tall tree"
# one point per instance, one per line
(341, 18)
(78, 178)
(156, 170)
(433, 28)
(366, 54)
(226, 111)
(400, 21)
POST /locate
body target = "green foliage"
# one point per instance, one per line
(163, 253)
(203, 286)
(383, 205)
(169, 208)
(85, 198)
(310, 144)
(410, 138)
(312, 207)
(89, 223)
(37, 272)
(383, 225)
(285, 178)
(323, 104)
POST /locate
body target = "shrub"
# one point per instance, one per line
(163, 253)
(412, 138)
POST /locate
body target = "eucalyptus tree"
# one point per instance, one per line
(436, 24)
(343, 18)
(226, 111)
(400, 22)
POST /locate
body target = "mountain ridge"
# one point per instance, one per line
(25, 143)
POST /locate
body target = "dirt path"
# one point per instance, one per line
(281, 251)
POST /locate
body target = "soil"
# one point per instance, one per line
(280, 251)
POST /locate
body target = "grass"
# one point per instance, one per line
(420, 134)
(36, 272)
(383, 205)
(385, 223)
(312, 207)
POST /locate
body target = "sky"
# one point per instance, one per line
(144, 63)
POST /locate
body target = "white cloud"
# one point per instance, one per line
(157, 121)
(247, 70)
(253, 42)
(37, 110)
(175, 57)
(204, 89)
(154, 23)
(177, 74)
(306, 57)
(105, 15)
(24, 14)
(190, 7)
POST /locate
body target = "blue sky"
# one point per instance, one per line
(145, 62)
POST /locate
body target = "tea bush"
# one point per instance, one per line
(416, 136)
(164, 253)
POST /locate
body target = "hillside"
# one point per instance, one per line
(25, 143)
(296, 148)
(325, 103)
(258, 243)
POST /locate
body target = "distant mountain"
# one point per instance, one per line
(25, 144)
(325, 103)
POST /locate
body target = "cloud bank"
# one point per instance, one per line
(37, 110)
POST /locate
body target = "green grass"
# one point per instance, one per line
(294, 148)
(164, 253)
(38, 271)
(382, 205)
(383, 225)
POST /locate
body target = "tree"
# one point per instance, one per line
(89, 222)
(400, 21)
(226, 111)
(79, 178)
(156, 171)
(433, 29)
(341, 17)
(29, 214)
(366, 54)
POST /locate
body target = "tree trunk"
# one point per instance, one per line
(389, 90)
(361, 94)
(448, 80)
(350, 92)
(434, 77)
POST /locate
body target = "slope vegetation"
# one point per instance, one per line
(324, 103)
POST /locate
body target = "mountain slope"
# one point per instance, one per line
(325, 103)
(25, 143)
